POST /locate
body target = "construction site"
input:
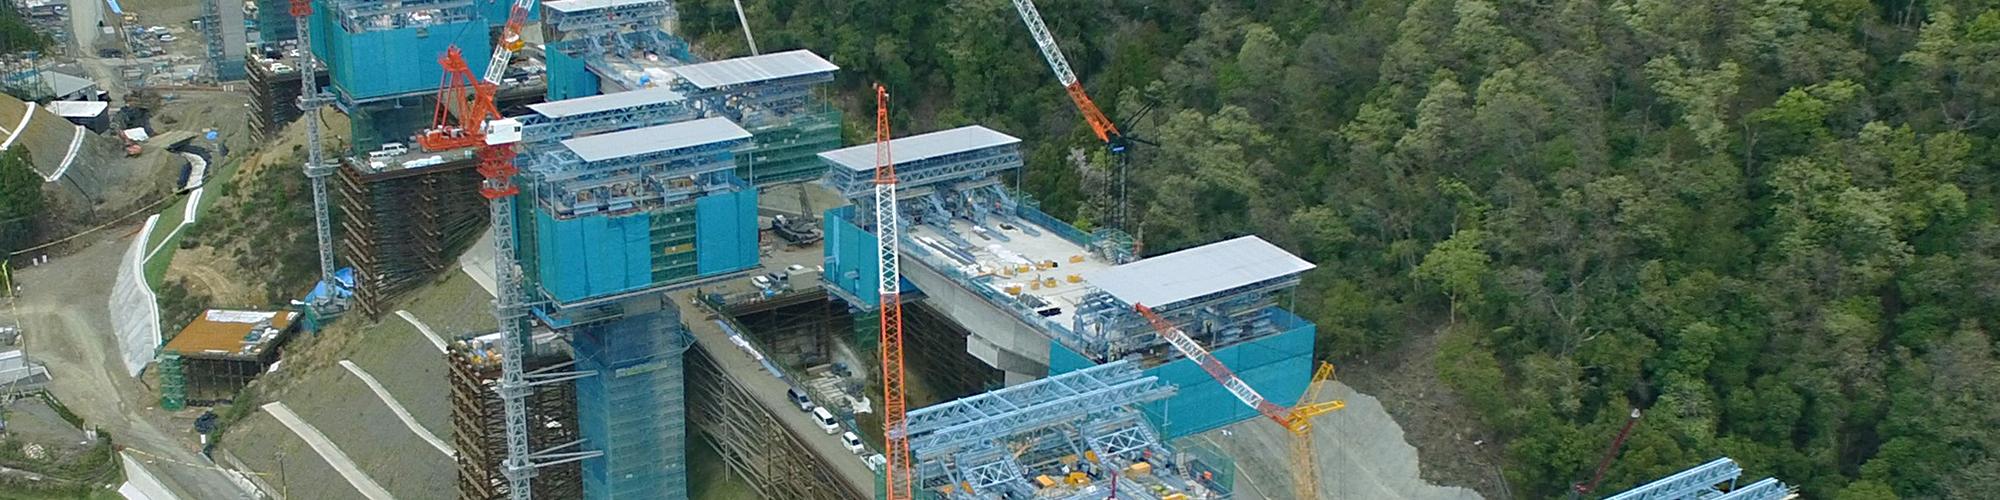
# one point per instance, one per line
(569, 241)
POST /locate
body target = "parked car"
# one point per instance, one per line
(761, 282)
(826, 421)
(875, 462)
(852, 442)
(799, 398)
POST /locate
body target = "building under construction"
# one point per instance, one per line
(479, 426)
(219, 353)
(400, 227)
(1042, 298)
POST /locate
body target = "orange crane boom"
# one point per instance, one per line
(895, 431)
(1296, 419)
(464, 104)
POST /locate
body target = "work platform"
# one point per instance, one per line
(1042, 298)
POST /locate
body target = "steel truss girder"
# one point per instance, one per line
(536, 128)
(991, 471)
(955, 168)
(598, 20)
(1032, 406)
(1767, 489)
(1687, 484)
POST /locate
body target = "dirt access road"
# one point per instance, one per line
(66, 323)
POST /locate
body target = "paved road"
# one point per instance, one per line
(67, 324)
(328, 451)
(770, 393)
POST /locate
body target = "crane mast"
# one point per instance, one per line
(316, 169)
(894, 428)
(1297, 419)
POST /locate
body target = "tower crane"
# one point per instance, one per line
(895, 430)
(316, 169)
(467, 117)
(1114, 140)
(1296, 419)
(510, 40)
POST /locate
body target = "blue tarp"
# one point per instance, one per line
(385, 63)
(592, 256)
(567, 77)
(115, 9)
(726, 232)
(850, 257)
(343, 287)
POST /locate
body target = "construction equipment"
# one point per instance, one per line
(895, 432)
(496, 169)
(1117, 142)
(1297, 419)
(464, 104)
(316, 168)
(510, 40)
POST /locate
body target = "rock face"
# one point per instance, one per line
(1361, 454)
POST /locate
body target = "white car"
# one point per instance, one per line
(875, 462)
(795, 268)
(852, 442)
(826, 421)
(761, 281)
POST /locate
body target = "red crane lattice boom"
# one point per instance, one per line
(464, 103)
(894, 427)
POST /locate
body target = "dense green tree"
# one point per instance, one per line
(22, 206)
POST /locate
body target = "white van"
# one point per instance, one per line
(852, 442)
(826, 421)
(395, 148)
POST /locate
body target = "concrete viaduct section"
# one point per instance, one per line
(1000, 339)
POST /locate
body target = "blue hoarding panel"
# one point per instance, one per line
(1278, 366)
(568, 78)
(850, 256)
(726, 232)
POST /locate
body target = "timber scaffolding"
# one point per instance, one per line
(399, 227)
(274, 96)
(775, 462)
(480, 424)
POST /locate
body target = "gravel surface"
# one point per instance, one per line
(66, 322)
(343, 408)
(1360, 450)
(260, 442)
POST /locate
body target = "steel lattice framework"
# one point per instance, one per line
(1687, 485)
(316, 167)
(887, 232)
(979, 442)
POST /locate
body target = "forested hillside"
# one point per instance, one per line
(1769, 223)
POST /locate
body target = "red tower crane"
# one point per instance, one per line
(464, 104)
(894, 428)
